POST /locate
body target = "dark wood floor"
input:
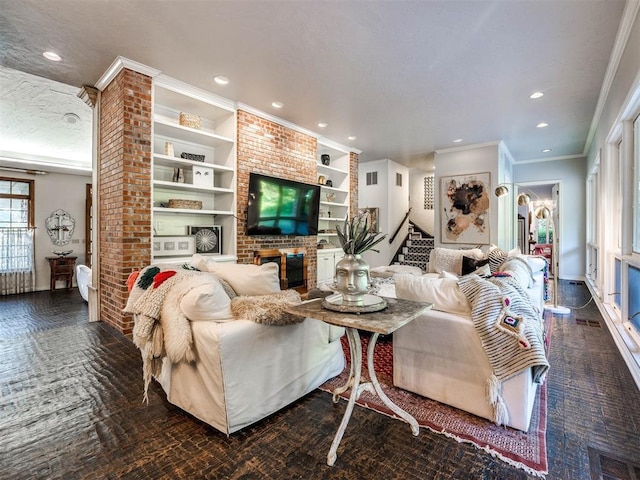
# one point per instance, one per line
(70, 407)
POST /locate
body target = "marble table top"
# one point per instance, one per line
(398, 313)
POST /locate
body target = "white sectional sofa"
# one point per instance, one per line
(440, 355)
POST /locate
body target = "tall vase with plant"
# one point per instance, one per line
(352, 272)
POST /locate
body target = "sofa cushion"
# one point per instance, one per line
(386, 271)
(207, 302)
(496, 257)
(244, 278)
(442, 292)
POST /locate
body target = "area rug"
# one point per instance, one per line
(527, 451)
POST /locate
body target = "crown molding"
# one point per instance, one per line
(624, 30)
(170, 83)
(275, 119)
(119, 64)
(550, 159)
(469, 147)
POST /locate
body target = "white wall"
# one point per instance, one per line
(571, 175)
(626, 78)
(52, 192)
(421, 217)
(393, 202)
(467, 161)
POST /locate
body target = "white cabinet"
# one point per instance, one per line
(194, 169)
(327, 260)
(334, 195)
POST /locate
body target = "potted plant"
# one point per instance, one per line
(352, 272)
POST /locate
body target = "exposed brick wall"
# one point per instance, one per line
(124, 209)
(353, 183)
(271, 149)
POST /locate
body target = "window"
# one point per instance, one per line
(636, 188)
(398, 179)
(372, 178)
(16, 202)
(16, 227)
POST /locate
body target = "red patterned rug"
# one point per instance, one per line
(527, 451)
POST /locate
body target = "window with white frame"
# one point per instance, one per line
(636, 184)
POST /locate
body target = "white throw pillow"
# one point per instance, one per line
(207, 302)
(444, 293)
(450, 260)
(244, 278)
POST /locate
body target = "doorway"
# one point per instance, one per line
(543, 232)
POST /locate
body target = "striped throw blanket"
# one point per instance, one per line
(510, 330)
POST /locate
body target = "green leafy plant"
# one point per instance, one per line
(355, 236)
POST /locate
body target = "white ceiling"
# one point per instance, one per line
(405, 77)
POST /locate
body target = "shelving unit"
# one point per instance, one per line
(210, 182)
(334, 207)
(334, 200)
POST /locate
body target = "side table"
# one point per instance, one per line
(398, 313)
(62, 268)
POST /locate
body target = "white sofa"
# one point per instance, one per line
(243, 370)
(440, 356)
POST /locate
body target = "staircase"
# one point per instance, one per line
(416, 248)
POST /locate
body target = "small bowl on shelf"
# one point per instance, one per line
(62, 253)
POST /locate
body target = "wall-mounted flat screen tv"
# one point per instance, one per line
(282, 207)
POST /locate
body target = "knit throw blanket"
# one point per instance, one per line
(160, 328)
(510, 331)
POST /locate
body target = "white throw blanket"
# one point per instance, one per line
(510, 331)
(160, 328)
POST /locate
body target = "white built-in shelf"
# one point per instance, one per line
(332, 219)
(333, 204)
(168, 161)
(162, 184)
(328, 235)
(191, 211)
(332, 189)
(174, 130)
(329, 168)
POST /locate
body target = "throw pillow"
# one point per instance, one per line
(444, 293)
(207, 302)
(496, 257)
(244, 278)
(450, 260)
(470, 265)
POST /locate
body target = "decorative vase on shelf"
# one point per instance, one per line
(325, 159)
(352, 272)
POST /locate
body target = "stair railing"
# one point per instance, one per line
(395, 234)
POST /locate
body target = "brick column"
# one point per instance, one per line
(353, 183)
(124, 183)
(271, 149)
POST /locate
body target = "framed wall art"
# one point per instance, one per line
(465, 209)
(166, 246)
(207, 239)
(372, 217)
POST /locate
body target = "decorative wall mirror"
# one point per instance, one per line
(60, 227)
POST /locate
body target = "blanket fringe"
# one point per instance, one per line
(494, 390)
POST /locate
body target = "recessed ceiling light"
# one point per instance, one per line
(323, 124)
(546, 150)
(535, 95)
(277, 105)
(352, 137)
(220, 80)
(457, 140)
(542, 125)
(53, 56)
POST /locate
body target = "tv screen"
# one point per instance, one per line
(282, 207)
